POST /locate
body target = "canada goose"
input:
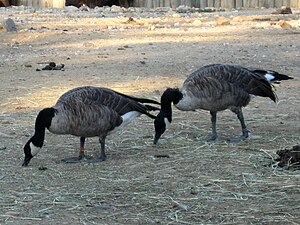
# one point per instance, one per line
(215, 88)
(86, 112)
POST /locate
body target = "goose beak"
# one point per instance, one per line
(26, 161)
(156, 138)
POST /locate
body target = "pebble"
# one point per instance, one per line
(71, 8)
(285, 25)
(9, 25)
(183, 9)
(222, 21)
(116, 9)
(283, 10)
(197, 23)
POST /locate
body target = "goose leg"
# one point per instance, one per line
(245, 131)
(99, 156)
(214, 136)
(81, 156)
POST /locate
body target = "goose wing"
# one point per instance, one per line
(82, 119)
(220, 78)
(118, 102)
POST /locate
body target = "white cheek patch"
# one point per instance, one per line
(34, 149)
(167, 122)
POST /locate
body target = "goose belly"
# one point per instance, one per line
(86, 125)
(213, 103)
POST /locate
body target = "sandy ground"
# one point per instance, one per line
(199, 182)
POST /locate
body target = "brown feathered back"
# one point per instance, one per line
(90, 111)
(217, 86)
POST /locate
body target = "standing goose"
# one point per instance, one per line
(86, 112)
(215, 88)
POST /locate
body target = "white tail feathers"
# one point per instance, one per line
(269, 76)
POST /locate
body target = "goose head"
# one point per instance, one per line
(35, 143)
(164, 117)
(28, 155)
(31, 148)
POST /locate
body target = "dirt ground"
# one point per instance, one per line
(199, 182)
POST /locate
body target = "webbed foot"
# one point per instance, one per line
(243, 137)
(213, 138)
(82, 157)
(96, 159)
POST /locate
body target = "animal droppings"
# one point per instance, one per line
(289, 158)
(53, 66)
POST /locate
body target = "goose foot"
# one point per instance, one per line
(96, 159)
(213, 138)
(243, 137)
(78, 159)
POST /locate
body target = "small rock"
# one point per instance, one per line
(84, 8)
(284, 24)
(43, 168)
(193, 191)
(208, 9)
(197, 23)
(176, 15)
(222, 21)
(183, 9)
(130, 20)
(88, 45)
(71, 8)
(151, 27)
(98, 9)
(115, 9)
(162, 156)
(283, 10)
(9, 25)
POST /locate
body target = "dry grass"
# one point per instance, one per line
(182, 180)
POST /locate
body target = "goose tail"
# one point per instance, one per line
(273, 76)
(151, 108)
(145, 100)
(277, 77)
(140, 100)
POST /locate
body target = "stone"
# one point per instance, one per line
(222, 21)
(284, 24)
(197, 23)
(71, 8)
(9, 25)
(116, 9)
(284, 10)
(84, 8)
(208, 9)
(183, 9)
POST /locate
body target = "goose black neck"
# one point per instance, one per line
(170, 95)
(42, 122)
(166, 105)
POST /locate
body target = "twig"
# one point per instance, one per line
(22, 218)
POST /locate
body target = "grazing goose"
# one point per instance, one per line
(215, 88)
(86, 112)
